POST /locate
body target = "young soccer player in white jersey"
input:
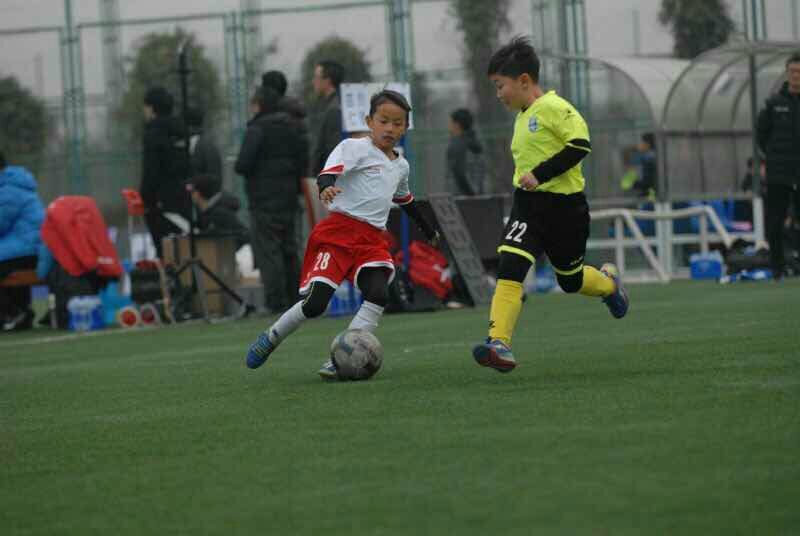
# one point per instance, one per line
(360, 181)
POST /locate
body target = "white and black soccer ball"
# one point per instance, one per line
(357, 354)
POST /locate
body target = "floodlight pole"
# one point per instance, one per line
(755, 29)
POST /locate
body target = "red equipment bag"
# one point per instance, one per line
(427, 268)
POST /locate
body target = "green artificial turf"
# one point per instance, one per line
(683, 418)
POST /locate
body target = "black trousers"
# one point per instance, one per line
(276, 254)
(779, 197)
(14, 300)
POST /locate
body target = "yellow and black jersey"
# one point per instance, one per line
(550, 139)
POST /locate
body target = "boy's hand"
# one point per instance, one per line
(528, 182)
(327, 195)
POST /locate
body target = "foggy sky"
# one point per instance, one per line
(35, 59)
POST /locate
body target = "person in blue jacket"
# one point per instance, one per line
(21, 217)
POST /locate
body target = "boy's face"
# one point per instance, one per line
(387, 125)
(514, 93)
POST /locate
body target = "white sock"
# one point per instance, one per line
(367, 317)
(287, 323)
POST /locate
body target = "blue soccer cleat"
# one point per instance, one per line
(328, 371)
(259, 351)
(495, 354)
(618, 302)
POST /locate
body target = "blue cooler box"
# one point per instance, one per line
(706, 265)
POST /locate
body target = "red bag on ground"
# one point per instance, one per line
(427, 268)
(76, 234)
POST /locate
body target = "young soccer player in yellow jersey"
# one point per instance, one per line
(550, 214)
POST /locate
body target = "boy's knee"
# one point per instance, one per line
(570, 283)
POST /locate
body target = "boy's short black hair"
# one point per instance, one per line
(160, 100)
(463, 117)
(649, 139)
(266, 98)
(387, 95)
(2, 160)
(206, 185)
(515, 59)
(333, 71)
(276, 80)
(794, 58)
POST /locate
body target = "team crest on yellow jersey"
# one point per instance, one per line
(533, 124)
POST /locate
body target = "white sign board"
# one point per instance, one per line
(355, 102)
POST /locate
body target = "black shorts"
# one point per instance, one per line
(554, 224)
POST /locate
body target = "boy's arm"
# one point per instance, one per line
(566, 159)
(412, 209)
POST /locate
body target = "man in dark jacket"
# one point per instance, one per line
(273, 156)
(165, 167)
(203, 150)
(328, 75)
(465, 169)
(217, 210)
(778, 134)
(291, 105)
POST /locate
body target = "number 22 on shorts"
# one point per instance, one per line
(516, 225)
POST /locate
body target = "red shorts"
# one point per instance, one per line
(339, 247)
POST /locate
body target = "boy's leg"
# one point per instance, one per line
(522, 242)
(373, 283)
(566, 248)
(314, 305)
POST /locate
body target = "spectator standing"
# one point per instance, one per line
(21, 217)
(328, 76)
(647, 183)
(164, 167)
(465, 164)
(273, 155)
(286, 103)
(778, 133)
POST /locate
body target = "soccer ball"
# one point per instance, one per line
(357, 354)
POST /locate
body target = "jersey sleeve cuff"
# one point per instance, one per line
(333, 170)
(406, 199)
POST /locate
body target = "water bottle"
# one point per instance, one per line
(51, 307)
(79, 319)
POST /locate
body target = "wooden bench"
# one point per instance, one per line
(21, 278)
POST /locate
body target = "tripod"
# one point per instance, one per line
(194, 264)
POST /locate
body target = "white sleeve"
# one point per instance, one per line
(403, 196)
(343, 158)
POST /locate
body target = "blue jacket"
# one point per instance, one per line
(21, 214)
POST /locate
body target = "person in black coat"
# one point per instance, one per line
(165, 167)
(286, 103)
(217, 210)
(273, 156)
(778, 133)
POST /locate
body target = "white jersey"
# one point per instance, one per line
(369, 180)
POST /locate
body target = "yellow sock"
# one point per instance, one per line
(506, 305)
(596, 283)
